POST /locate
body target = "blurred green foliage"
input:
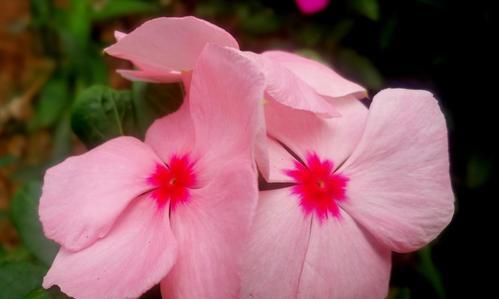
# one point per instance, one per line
(99, 113)
(19, 278)
(430, 272)
(24, 215)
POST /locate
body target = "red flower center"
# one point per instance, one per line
(172, 181)
(318, 187)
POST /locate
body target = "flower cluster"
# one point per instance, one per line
(272, 180)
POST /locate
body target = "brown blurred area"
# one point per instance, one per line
(18, 85)
(25, 69)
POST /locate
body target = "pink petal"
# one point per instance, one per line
(226, 103)
(83, 196)
(343, 262)
(169, 44)
(279, 160)
(262, 155)
(211, 231)
(136, 254)
(275, 253)
(312, 6)
(321, 78)
(304, 132)
(399, 187)
(290, 255)
(118, 35)
(172, 134)
(287, 88)
(151, 76)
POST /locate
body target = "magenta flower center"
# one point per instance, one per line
(318, 187)
(173, 181)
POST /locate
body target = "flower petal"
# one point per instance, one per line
(344, 262)
(273, 260)
(287, 88)
(172, 134)
(83, 196)
(321, 78)
(119, 35)
(225, 96)
(136, 254)
(399, 186)
(279, 161)
(151, 76)
(312, 6)
(169, 44)
(304, 132)
(213, 225)
(211, 230)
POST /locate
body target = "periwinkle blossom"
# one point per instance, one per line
(162, 49)
(345, 185)
(344, 193)
(166, 49)
(312, 6)
(174, 209)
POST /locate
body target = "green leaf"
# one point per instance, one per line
(359, 68)
(479, 170)
(367, 8)
(97, 68)
(209, 10)
(101, 113)
(78, 20)
(400, 293)
(257, 21)
(24, 214)
(18, 279)
(18, 254)
(311, 54)
(387, 33)
(28, 173)
(40, 293)
(339, 31)
(62, 143)
(73, 26)
(7, 160)
(430, 272)
(310, 35)
(40, 11)
(153, 101)
(119, 8)
(54, 98)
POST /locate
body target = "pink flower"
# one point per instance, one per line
(312, 6)
(164, 48)
(174, 209)
(346, 192)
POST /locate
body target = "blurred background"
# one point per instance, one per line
(52, 50)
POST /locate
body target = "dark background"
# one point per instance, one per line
(52, 50)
